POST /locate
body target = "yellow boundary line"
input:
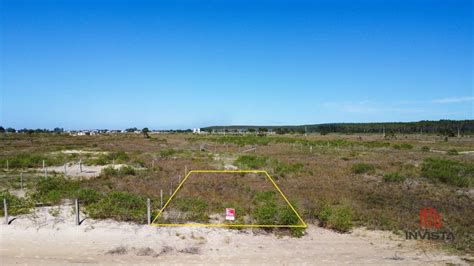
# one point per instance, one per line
(303, 224)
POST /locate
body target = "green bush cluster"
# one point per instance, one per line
(23, 160)
(16, 205)
(121, 172)
(50, 190)
(337, 217)
(266, 210)
(394, 177)
(108, 158)
(425, 149)
(361, 168)
(121, 206)
(88, 196)
(196, 209)
(285, 169)
(448, 171)
(403, 146)
(251, 161)
(168, 152)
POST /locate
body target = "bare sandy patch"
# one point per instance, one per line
(50, 237)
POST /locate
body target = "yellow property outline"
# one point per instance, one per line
(303, 224)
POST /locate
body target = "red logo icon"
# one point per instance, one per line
(430, 218)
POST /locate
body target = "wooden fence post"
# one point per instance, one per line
(5, 210)
(21, 180)
(148, 210)
(161, 199)
(77, 212)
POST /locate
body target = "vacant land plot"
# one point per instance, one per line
(336, 181)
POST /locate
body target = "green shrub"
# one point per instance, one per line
(284, 169)
(195, 208)
(336, 217)
(267, 213)
(403, 146)
(23, 160)
(167, 152)
(425, 149)
(288, 217)
(448, 171)
(251, 161)
(51, 190)
(126, 170)
(119, 156)
(394, 177)
(102, 159)
(88, 196)
(16, 205)
(119, 206)
(265, 208)
(361, 168)
(109, 172)
(121, 172)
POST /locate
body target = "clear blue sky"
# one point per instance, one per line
(184, 64)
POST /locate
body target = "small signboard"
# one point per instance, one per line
(230, 214)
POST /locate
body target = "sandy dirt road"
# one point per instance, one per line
(41, 239)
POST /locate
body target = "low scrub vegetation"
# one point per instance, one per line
(362, 168)
(121, 206)
(251, 161)
(394, 177)
(120, 172)
(50, 190)
(88, 196)
(195, 209)
(279, 168)
(108, 158)
(266, 210)
(448, 171)
(403, 146)
(338, 217)
(16, 205)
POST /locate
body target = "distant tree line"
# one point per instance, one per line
(441, 127)
(30, 131)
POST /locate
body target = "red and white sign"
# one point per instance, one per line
(230, 214)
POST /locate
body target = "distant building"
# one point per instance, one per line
(196, 130)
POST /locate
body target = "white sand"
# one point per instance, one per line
(74, 170)
(47, 240)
